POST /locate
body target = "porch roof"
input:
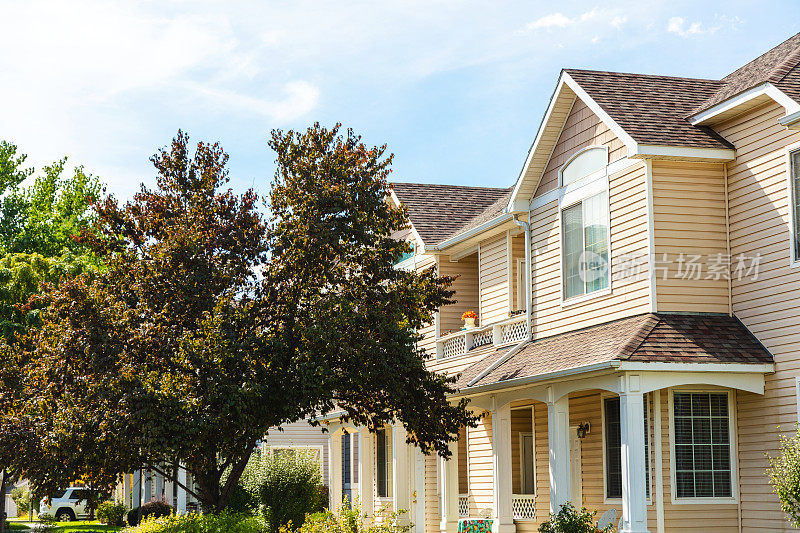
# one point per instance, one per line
(670, 338)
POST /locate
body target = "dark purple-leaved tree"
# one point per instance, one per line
(210, 323)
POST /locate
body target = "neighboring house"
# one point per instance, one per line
(638, 289)
(303, 436)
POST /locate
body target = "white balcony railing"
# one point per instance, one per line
(509, 331)
(523, 506)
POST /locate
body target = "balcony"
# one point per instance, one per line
(509, 331)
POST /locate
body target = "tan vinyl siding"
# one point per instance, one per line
(481, 485)
(493, 280)
(521, 422)
(466, 287)
(630, 295)
(432, 516)
(463, 460)
(689, 219)
(768, 306)
(582, 129)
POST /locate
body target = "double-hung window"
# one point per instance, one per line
(613, 448)
(794, 200)
(585, 231)
(702, 440)
(584, 223)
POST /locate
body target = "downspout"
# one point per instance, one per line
(528, 279)
(728, 239)
(528, 297)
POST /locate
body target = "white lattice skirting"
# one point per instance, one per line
(454, 346)
(463, 506)
(482, 339)
(524, 507)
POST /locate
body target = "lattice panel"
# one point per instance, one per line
(524, 507)
(454, 346)
(463, 506)
(482, 339)
(514, 332)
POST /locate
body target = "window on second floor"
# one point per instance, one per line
(585, 246)
(584, 164)
(794, 178)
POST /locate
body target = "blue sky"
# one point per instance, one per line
(455, 88)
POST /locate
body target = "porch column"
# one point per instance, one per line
(126, 491)
(148, 486)
(419, 491)
(634, 501)
(136, 490)
(501, 469)
(448, 472)
(180, 505)
(335, 469)
(400, 472)
(159, 486)
(366, 460)
(558, 442)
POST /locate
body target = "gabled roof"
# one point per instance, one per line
(438, 212)
(653, 109)
(647, 338)
(779, 66)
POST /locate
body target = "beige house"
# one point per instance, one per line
(638, 294)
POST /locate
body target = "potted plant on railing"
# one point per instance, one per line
(469, 319)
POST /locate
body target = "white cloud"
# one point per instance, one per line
(619, 21)
(553, 20)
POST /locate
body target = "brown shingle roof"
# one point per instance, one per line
(779, 66)
(653, 109)
(645, 338)
(441, 211)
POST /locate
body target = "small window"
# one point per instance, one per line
(585, 241)
(382, 464)
(702, 445)
(613, 438)
(794, 163)
(585, 163)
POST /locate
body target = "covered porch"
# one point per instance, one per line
(637, 416)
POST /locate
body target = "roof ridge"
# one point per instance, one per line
(640, 75)
(448, 185)
(638, 338)
(781, 71)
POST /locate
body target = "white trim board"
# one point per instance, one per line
(727, 106)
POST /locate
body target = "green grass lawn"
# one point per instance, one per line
(68, 527)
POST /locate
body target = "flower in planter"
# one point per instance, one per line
(469, 314)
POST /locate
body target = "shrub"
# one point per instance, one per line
(194, 523)
(22, 499)
(111, 513)
(46, 518)
(784, 476)
(570, 520)
(283, 487)
(350, 520)
(153, 509)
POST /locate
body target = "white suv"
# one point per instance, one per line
(67, 505)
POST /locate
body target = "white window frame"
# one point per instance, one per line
(389, 474)
(319, 447)
(734, 498)
(521, 284)
(794, 261)
(589, 190)
(575, 156)
(409, 264)
(650, 462)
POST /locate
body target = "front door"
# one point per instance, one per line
(576, 479)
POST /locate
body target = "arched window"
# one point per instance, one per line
(587, 162)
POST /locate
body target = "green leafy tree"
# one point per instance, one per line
(210, 325)
(784, 476)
